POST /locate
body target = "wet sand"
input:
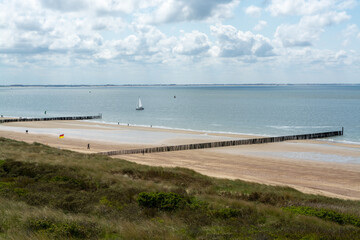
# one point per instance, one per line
(315, 166)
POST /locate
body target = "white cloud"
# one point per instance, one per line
(350, 33)
(184, 10)
(119, 33)
(297, 7)
(65, 5)
(293, 36)
(147, 45)
(307, 7)
(234, 43)
(108, 23)
(319, 59)
(29, 23)
(193, 44)
(116, 7)
(253, 11)
(260, 25)
(308, 29)
(324, 20)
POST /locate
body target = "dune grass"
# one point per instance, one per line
(47, 193)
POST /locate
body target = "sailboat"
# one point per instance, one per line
(139, 106)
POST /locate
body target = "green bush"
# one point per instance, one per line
(71, 229)
(111, 204)
(2, 162)
(163, 201)
(326, 214)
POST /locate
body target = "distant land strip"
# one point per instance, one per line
(224, 143)
(181, 85)
(49, 119)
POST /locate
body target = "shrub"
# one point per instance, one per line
(326, 214)
(246, 213)
(163, 201)
(111, 204)
(71, 182)
(20, 191)
(70, 229)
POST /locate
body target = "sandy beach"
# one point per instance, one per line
(316, 166)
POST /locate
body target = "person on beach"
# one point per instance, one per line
(88, 146)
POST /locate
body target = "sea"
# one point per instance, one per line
(265, 110)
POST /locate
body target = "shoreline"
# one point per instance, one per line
(212, 132)
(286, 163)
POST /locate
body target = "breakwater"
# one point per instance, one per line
(50, 119)
(224, 143)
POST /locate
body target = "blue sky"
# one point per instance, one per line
(179, 41)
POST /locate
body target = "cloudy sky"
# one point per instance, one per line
(179, 41)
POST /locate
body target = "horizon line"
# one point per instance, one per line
(170, 84)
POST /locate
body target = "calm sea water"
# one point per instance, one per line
(262, 110)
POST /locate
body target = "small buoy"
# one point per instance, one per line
(174, 96)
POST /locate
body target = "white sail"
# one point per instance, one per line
(139, 106)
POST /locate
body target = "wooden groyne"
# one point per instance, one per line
(50, 119)
(224, 143)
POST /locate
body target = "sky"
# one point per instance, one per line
(179, 41)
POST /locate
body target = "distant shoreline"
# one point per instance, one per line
(182, 85)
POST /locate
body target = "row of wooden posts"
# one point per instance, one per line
(50, 119)
(224, 143)
(187, 146)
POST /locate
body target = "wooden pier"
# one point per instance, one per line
(225, 143)
(49, 119)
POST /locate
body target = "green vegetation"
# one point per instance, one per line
(47, 193)
(53, 229)
(326, 214)
(162, 201)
